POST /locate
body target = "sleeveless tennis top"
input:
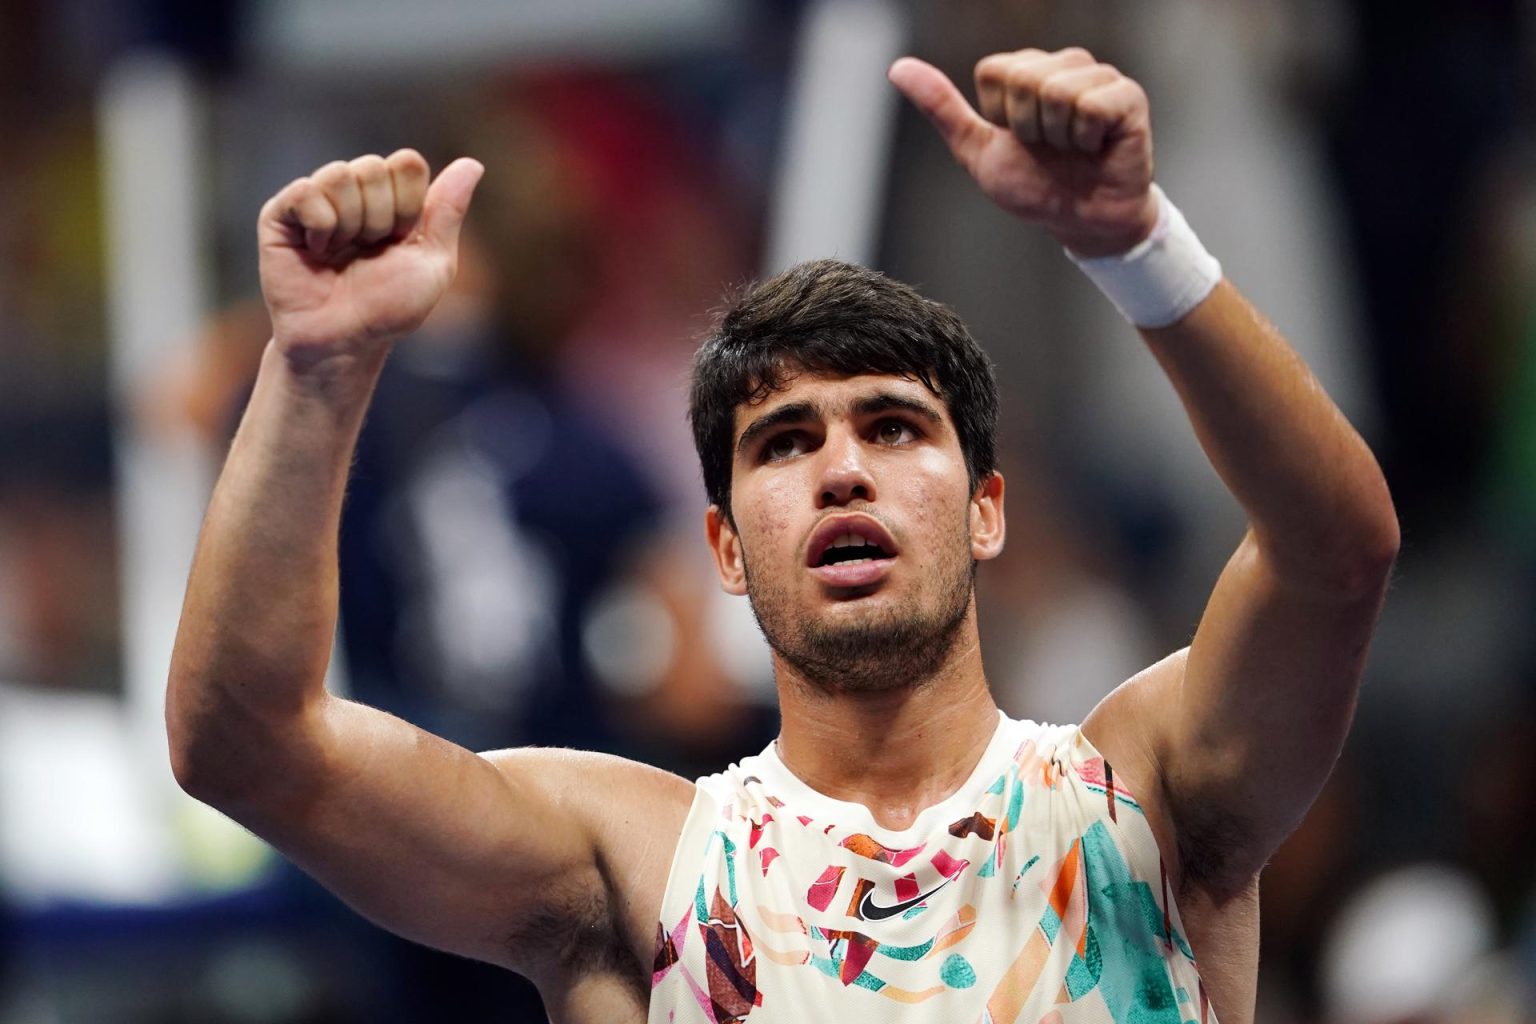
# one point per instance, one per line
(1035, 893)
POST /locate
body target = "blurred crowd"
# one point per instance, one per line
(521, 556)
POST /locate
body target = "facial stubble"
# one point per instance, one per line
(898, 645)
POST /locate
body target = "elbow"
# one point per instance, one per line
(186, 728)
(190, 774)
(198, 782)
(215, 770)
(1378, 540)
(235, 756)
(1350, 559)
(195, 763)
(1363, 564)
(180, 737)
(1386, 543)
(193, 716)
(210, 744)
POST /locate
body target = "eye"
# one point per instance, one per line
(894, 432)
(783, 446)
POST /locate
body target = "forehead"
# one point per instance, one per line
(832, 396)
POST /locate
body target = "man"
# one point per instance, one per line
(902, 852)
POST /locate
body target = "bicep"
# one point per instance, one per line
(1250, 729)
(441, 845)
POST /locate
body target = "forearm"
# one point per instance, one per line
(1064, 142)
(260, 610)
(1316, 500)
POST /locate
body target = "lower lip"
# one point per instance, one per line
(851, 575)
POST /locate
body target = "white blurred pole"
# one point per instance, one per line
(149, 123)
(359, 38)
(837, 141)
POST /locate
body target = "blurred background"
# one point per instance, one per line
(521, 557)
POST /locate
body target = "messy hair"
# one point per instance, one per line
(827, 316)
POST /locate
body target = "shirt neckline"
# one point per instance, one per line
(801, 798)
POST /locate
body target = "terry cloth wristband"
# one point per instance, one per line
(1166, 275)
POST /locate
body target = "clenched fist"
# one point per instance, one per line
(1058, 139)
(356, 254)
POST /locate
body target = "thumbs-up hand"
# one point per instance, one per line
(1057, 139)
(356, 254)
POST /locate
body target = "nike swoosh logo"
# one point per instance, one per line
(869, 910)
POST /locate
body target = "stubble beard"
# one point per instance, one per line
(898, 647)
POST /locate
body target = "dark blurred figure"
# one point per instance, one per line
(486, 511)
(493, 509)
(1435, 89)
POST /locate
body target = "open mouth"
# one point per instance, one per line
(851, 549)
(842, 546)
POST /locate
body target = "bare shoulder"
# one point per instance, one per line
(631, 815)
(1130, 727)
(626, 807)
(1125, 728)
(1222, 924)
(603, 779)
(1121, 726)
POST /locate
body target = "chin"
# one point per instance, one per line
(868, 648)
(898, 633)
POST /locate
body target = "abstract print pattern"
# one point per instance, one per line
(1035, 893)
(729, 991)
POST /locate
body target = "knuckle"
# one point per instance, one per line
(1125, 101)
(1022, 79)
(1097, 76)
(312, 213)
(407, 163)
(1076, 55)
(1092, 108)
(288, 195)
(993, 68)
(369, 168)
(1057, 91)
(331, 173)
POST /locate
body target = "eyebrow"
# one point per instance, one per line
(885, 401)
(801, 412)
(793, 412)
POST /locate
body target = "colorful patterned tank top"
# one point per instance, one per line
(1035, 893)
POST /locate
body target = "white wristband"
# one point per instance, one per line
(1166, 275)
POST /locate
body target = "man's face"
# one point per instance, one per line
(855, 530)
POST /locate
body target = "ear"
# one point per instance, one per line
(725, 545)
(987, 526)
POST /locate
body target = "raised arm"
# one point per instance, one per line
(463, 852)
(1229, 743)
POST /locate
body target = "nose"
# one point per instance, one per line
(845, 475)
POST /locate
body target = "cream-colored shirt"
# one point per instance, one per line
(1035, 893)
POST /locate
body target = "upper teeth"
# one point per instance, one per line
(849, 540)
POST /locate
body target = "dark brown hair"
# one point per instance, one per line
(828, 316)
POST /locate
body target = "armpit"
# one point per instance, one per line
(574, 932)
(1210, 842)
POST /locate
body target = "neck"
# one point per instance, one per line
(898, 751)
